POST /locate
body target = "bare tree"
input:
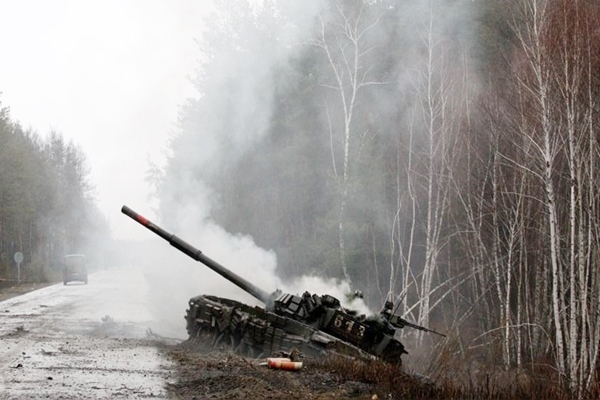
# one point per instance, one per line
(343, 38)
(554, 79)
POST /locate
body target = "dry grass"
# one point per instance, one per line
(467, 376)
(393, 382)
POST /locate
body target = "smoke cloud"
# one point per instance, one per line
(238, 83)
(243, 45)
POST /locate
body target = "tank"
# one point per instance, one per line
(309, 324)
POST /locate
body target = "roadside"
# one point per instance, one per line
(205, 373)
(8, 291)
(67, 341)
(218, 375)
(52, 364)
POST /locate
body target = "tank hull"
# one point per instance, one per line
(255, 332)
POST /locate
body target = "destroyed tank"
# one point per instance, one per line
(313, 325)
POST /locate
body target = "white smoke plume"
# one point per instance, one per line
(236, 90)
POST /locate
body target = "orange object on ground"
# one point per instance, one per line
(283, 363)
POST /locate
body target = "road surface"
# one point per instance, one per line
(82, 341)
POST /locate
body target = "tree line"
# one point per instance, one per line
(46, 200)
(441, 153)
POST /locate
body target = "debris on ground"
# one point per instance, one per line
(207, 373)
(285, 364)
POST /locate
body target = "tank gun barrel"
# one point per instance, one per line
(197, 255)
(401, 323)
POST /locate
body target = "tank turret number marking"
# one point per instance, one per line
(348, 326)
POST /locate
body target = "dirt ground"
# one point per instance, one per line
(206, 373)
(212, 374)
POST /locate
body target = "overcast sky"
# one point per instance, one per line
(108, 74)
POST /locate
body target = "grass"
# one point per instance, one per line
(394, 382)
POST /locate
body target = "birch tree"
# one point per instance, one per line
(573, 54)
(556, 79)
(438, 115)
(344, 39)
(530, 39)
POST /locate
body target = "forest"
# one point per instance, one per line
(441, 153)
(47, 208)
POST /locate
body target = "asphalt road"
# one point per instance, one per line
(82, 341)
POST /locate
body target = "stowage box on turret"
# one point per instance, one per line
(314, 325)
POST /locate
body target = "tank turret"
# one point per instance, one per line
(312, 324)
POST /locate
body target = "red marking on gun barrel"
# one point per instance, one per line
(142, 220)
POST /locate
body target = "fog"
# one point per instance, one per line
(181, 92)
(108, 75)
(243, 47)
(173, 277)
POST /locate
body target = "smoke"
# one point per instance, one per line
(174, 278)
(235, 87)
(243, 44)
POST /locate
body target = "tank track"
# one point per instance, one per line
(254, 332)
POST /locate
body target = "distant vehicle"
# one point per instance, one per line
(74, 269)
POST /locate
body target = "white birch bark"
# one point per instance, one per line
(346, 52)
(433, 96)
(531, 42)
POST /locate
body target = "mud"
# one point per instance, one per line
(224, 375)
